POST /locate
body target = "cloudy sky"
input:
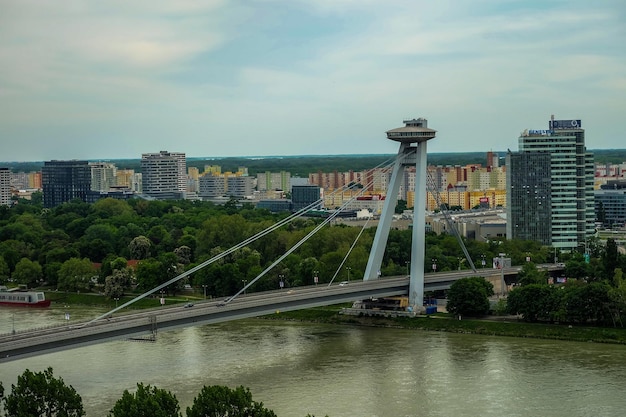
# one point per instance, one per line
(88, 79)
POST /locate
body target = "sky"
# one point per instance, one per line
(98, 80)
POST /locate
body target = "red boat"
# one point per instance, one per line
(23, 299)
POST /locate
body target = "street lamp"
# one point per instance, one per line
(315, 276)
(204, 287)
(116, 300)
(245, 281)
(407, 266)
(434, 264)
(348, 269)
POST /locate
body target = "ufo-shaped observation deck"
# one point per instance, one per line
(415, 130)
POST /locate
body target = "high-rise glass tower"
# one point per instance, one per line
(63, 181)
(550, 187)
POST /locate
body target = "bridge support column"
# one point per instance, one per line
(415, 132)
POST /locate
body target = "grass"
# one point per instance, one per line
(97, 300)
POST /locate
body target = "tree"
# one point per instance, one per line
(610, 259)
(75, 274)
(469, 296)
(147, 401)
(27, 272)
(41, 394)
(4, 270)
(115, 283)
(221, 401)
(140, 247)
(534, 302)
(529, 274)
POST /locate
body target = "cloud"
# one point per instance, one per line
(302, 75)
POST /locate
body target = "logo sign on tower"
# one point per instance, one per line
(565, 124)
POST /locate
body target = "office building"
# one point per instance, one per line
(164, 175)
(610, 203)
(550, 187)
(303, 196)
(63, 181)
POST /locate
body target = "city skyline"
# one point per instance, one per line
(92, 80)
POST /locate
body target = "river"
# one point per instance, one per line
(338, 370)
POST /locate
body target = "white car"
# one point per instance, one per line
(343, 283)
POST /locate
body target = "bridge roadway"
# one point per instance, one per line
(145, 323)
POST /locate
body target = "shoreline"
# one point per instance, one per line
(441, 322)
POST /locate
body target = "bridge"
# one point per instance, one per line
(412, 152)
(144, 325)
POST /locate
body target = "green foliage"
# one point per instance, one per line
(4, 271)
(529, 274)
(28, 272)
(41, 394)
(221, 401)
(610, 259)
(534, 302)
(147, 401)
(469, 296)
(75, 274)
(140, 247)
(576, 302)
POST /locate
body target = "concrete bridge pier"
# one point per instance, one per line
(412, 152)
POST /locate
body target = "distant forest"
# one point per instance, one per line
(301, 166)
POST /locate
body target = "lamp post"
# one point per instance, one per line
(245, 281)
(204, 288)
(460, 262)
(315, 277)
(434, 264)
(407, 266)
(116, 300)
(348, 269)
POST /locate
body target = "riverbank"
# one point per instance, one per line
(98, 300)
(443, 322)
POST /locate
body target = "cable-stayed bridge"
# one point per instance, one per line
(412, 152)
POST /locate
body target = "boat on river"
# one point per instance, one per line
(23, 299)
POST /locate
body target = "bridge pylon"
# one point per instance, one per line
(412, 152)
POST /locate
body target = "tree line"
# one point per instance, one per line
(77, 246)
(593, 292)
(43, 394)
(118, 247)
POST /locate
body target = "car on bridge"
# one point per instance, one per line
(188, 305)
(343, 283)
